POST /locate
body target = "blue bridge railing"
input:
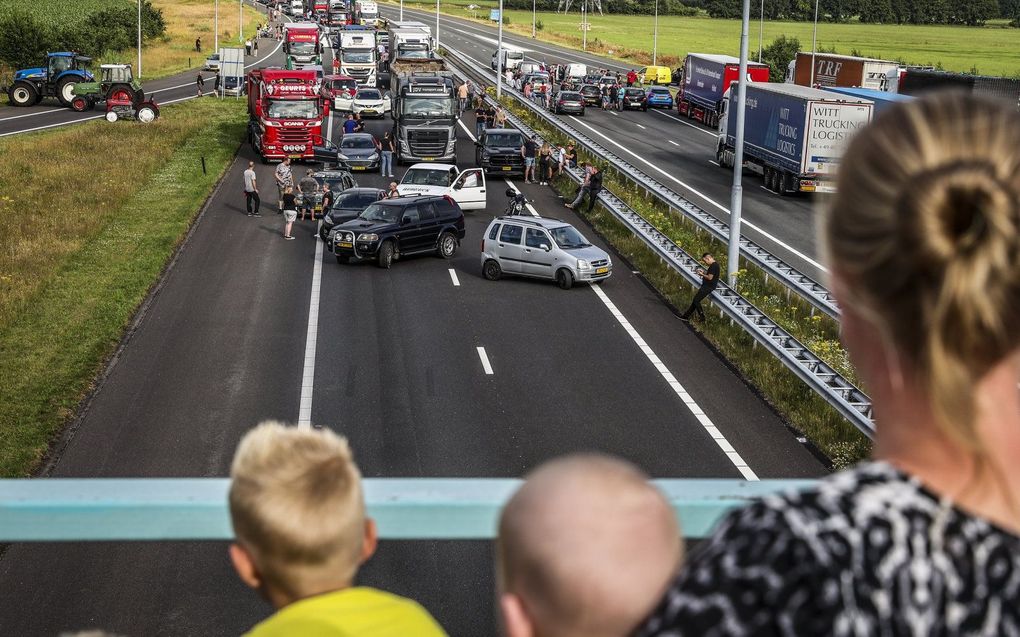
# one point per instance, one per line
(49, 509)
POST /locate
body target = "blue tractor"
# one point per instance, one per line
(57, 79)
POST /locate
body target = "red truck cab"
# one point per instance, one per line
(285, 113)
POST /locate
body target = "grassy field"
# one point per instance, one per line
(185, 21)
(992, 50)
(81, 243)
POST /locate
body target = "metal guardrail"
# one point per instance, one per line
(63, 510)
(809, 289)
(852, 403)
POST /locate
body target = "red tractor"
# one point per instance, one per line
(122, 94)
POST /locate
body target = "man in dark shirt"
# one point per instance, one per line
(528, 152)
(709, 282)
(479, 119)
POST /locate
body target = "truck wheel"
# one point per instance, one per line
(385, 258)
(564, 279)
(491, 270)
(65, 90)
(147, 114)
(447, 246)
(22, 94)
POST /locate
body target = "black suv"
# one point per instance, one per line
(392, 228)
(348, 205)
(499, 149)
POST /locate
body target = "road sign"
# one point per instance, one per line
(494, 15)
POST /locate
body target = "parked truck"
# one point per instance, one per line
(794, 136)
(301, 44)
(705, 79)
(919, 81)
(285, 113)
(840, 70)
(410, 39)
(367, 12)
(424, 110)
(358, 56)
(339, 14)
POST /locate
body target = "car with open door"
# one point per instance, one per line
(467, 188)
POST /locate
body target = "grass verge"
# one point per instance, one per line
(991, 49)
(799, 405)
(76, 268)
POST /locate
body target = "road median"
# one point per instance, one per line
(89, 219)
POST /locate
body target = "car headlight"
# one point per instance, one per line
(403, 146)
(450, 147)
(270, 123)
(374, 156)
(485, 154)
(583, 265)
(368, 237)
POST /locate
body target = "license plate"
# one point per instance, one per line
(357, 168)
(428, 158)
(294, 156)
(370, 111)
(601, 270)
(506, 167)
(345, 244)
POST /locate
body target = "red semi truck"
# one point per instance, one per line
(301, 44)
(706, 77)
(285, 113)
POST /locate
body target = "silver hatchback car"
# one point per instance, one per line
(543, 248)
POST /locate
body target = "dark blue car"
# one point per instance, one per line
(659, 97)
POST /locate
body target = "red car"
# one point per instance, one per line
(340, 90)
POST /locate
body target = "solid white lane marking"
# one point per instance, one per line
(744, 222)
(672, 142)
(677, 388)
(52, 110)
(308, 371)
(713, 162)
(469, 133)
(639, 126)
(486, 366)
(697, 128)
(453, 277)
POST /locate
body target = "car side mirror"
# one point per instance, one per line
(458, 185)
(545, 246)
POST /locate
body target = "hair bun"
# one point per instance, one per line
(958, 209)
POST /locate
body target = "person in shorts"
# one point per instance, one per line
(528, 151)
(289, 212)
(284, 178)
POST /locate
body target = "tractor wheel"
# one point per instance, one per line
(120, 92)
(23, 94)
(79, 104)
(65, 90)
(147, 113)
(111, 116)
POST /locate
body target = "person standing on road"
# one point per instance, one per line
(251, 191)
(350, 125)
(327, 205)
(200, 83)
(462, 97)
(289, 212)
(388, 148)
(528, 152)
(479, 120)
(709, 282)
(247, 46)
(500, 119)
(284, 179)
(308, 187)
(255, 46)
(336, 64)
(631, 77)
(544, 164)
(216, 84)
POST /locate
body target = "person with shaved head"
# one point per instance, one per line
(586, 548)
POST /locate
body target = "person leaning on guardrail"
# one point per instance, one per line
(298, 512)
(923, 243)
(585, 547)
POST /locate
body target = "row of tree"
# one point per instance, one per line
(962, 12)
(966, 12)
(26, 36)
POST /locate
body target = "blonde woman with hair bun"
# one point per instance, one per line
(923, 244)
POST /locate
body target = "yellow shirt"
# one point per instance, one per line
(352, 612)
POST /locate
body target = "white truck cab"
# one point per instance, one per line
(466, 188)
(512, 58)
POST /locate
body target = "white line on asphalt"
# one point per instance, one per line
(750, 225)
(672, 142)
(713, 162)
(697, 128)
(639, 126)
(52, 110)
(677, 388)
(453, 277)
(485, 361)
(469, 133)
(308, 371)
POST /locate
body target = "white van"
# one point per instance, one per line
(511, 59)
(575, 71)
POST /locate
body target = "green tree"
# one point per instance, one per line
(877, 11)
(778, 56)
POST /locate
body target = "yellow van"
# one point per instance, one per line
(655, 75)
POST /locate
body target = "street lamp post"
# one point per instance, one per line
(240, 21)
(534, 13)
(736, 195)
(139, 70)
(814, 46)
(584, 25)
(761, 30)
(216, 26)
(655, 33)
(437, 25)
(401, 10)
(499, 54)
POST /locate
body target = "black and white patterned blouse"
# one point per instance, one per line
(867, 552)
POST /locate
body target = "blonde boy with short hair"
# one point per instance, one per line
(298, 514)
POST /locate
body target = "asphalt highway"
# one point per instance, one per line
(678, 152)
(222, 346)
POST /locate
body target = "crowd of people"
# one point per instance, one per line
(923, 241)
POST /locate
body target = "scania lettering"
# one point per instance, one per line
(285, 113)
(301, 44)
(794, 136)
